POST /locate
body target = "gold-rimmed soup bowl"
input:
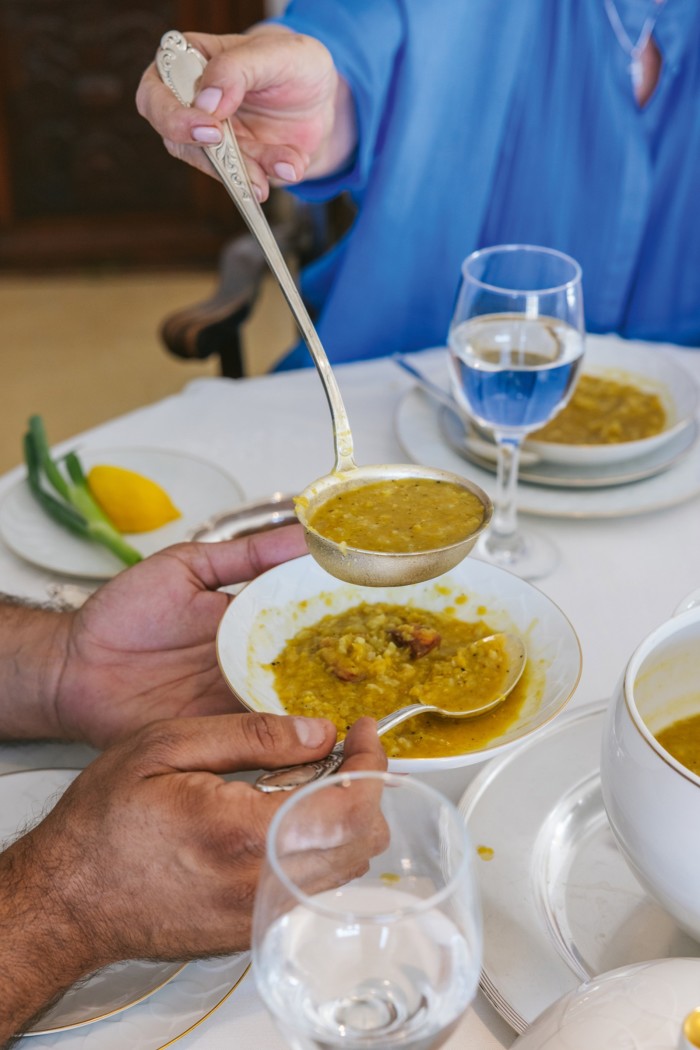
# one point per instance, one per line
(275, 606)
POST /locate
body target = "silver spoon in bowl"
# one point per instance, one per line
(180, 67)
(295, 776)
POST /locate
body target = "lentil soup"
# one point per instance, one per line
(400, 516)
(605, 411)
(374, 658)
(682, 740)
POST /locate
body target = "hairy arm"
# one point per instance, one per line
(33, 644)
(43, 947)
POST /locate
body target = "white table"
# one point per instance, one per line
(617, 579)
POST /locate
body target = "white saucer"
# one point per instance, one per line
(198, 489)
(418, 430)
(560, 903)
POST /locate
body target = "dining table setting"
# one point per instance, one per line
(561, 903)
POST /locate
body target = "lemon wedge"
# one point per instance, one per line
(133, 502)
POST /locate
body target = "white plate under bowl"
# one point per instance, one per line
(559, 901)
(198, 489)
(650, 370)
(272, 608)
(158, 1022)
(25, 797)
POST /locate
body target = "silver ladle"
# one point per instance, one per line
(294, 776)
(180, 66)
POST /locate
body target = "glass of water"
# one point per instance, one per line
(367, 927)
(516, 344)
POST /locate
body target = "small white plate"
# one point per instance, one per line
(417, 424)
(273, 607)
(650, 370)
(198, 489)
(560, 903)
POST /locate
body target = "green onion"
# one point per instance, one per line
(76, 510)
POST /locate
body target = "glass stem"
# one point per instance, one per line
(503, 536)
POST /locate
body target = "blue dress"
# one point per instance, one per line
(486, 123)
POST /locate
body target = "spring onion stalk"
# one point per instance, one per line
(76, 509)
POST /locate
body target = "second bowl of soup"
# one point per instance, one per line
(650, 776)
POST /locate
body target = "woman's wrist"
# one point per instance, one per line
(340, 146)
(340, 142)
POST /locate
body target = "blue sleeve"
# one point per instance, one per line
(364, 37)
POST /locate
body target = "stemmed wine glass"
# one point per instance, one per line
(367, 927)
(516, 344)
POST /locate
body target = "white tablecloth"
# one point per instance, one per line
(616, 580)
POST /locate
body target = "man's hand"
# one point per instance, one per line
(143, 646)
(151, 854)
(292, 114)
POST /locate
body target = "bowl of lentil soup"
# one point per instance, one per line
(629, 400)
(298, 641)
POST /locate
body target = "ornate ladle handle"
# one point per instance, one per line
(180, 66)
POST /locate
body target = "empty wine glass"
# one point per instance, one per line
(367, 928)
(516, 343)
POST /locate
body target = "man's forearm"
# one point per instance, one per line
(33, 645)
(43, 950)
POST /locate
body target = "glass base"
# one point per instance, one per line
(529, 555)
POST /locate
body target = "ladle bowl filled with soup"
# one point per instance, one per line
(298, 641)
(385, 525)
(650, 772)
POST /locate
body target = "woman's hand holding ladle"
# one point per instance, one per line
(180, 66)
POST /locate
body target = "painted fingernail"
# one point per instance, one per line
(258, 193)
(285, 172)
(311, 732)
(201, 133)
(208, 99)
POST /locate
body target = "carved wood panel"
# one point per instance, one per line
(83, 178)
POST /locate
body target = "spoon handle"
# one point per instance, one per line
(294, 776)
(180, 66)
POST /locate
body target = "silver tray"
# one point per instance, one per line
(560, 903)
(270, 513)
